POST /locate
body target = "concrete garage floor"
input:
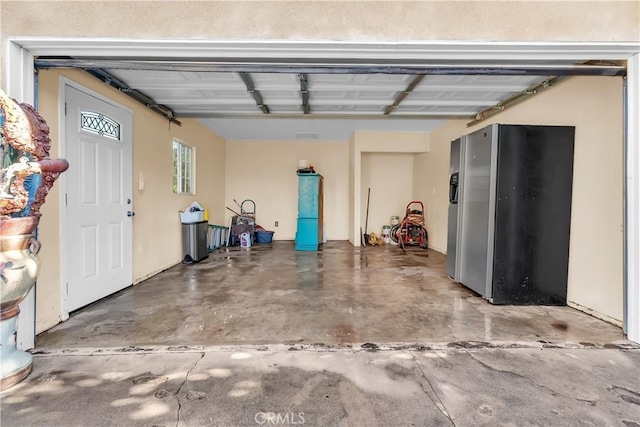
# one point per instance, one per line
(274, 337)
(272, 294)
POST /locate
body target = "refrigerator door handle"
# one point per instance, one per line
(453, 188)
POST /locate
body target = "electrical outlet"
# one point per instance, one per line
(276, 223)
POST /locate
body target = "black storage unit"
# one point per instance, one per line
(514, 213)
(533, 215)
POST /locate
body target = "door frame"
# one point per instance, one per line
(19, 79)
(64, 82)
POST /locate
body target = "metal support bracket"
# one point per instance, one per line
(255, 94)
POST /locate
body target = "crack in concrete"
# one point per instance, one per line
(186, 378)
(527, 379)
(498, 370)
(634, 398)
(439, 404)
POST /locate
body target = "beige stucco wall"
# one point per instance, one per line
(390, 177)
(265, 172)
(156, 225)
(594, 106)
(323, 20)
(327, 20)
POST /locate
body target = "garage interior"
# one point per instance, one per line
(344, 293)
(124, 382)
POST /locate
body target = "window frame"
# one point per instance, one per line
(183, 183)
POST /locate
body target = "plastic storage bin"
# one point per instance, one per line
(264, 236)
(191, 217)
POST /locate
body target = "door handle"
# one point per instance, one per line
(130, 213)
(453, 188)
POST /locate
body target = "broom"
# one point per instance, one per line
(366, 221)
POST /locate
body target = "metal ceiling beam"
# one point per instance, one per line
(460, 69)
(160, 84)
(251, 89)
(349, 116)
(376, 103)
(439, 87)
(304, 92)
(140, 97)
(402, 95)
(515, 99)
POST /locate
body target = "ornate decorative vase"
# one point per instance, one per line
(26, 176)
(19, 267)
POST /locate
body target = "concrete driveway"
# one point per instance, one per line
(462, 384)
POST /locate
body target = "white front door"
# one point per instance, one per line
(98, 191)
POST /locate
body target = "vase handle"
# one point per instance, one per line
(34, 245)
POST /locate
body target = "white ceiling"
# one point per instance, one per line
(221, 100)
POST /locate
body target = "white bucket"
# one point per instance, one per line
(245, 240)
(386, 231)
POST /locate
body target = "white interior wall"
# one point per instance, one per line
(265, 172)
(390, 177)
(594, 106)
(377, 142)
(431, 185)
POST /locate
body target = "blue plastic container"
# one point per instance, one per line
(264, 236)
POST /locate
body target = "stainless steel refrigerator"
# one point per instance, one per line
(454, 193)
(510, 212)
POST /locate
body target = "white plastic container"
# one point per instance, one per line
(386, 230)
(191, 217)
(245, 240)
